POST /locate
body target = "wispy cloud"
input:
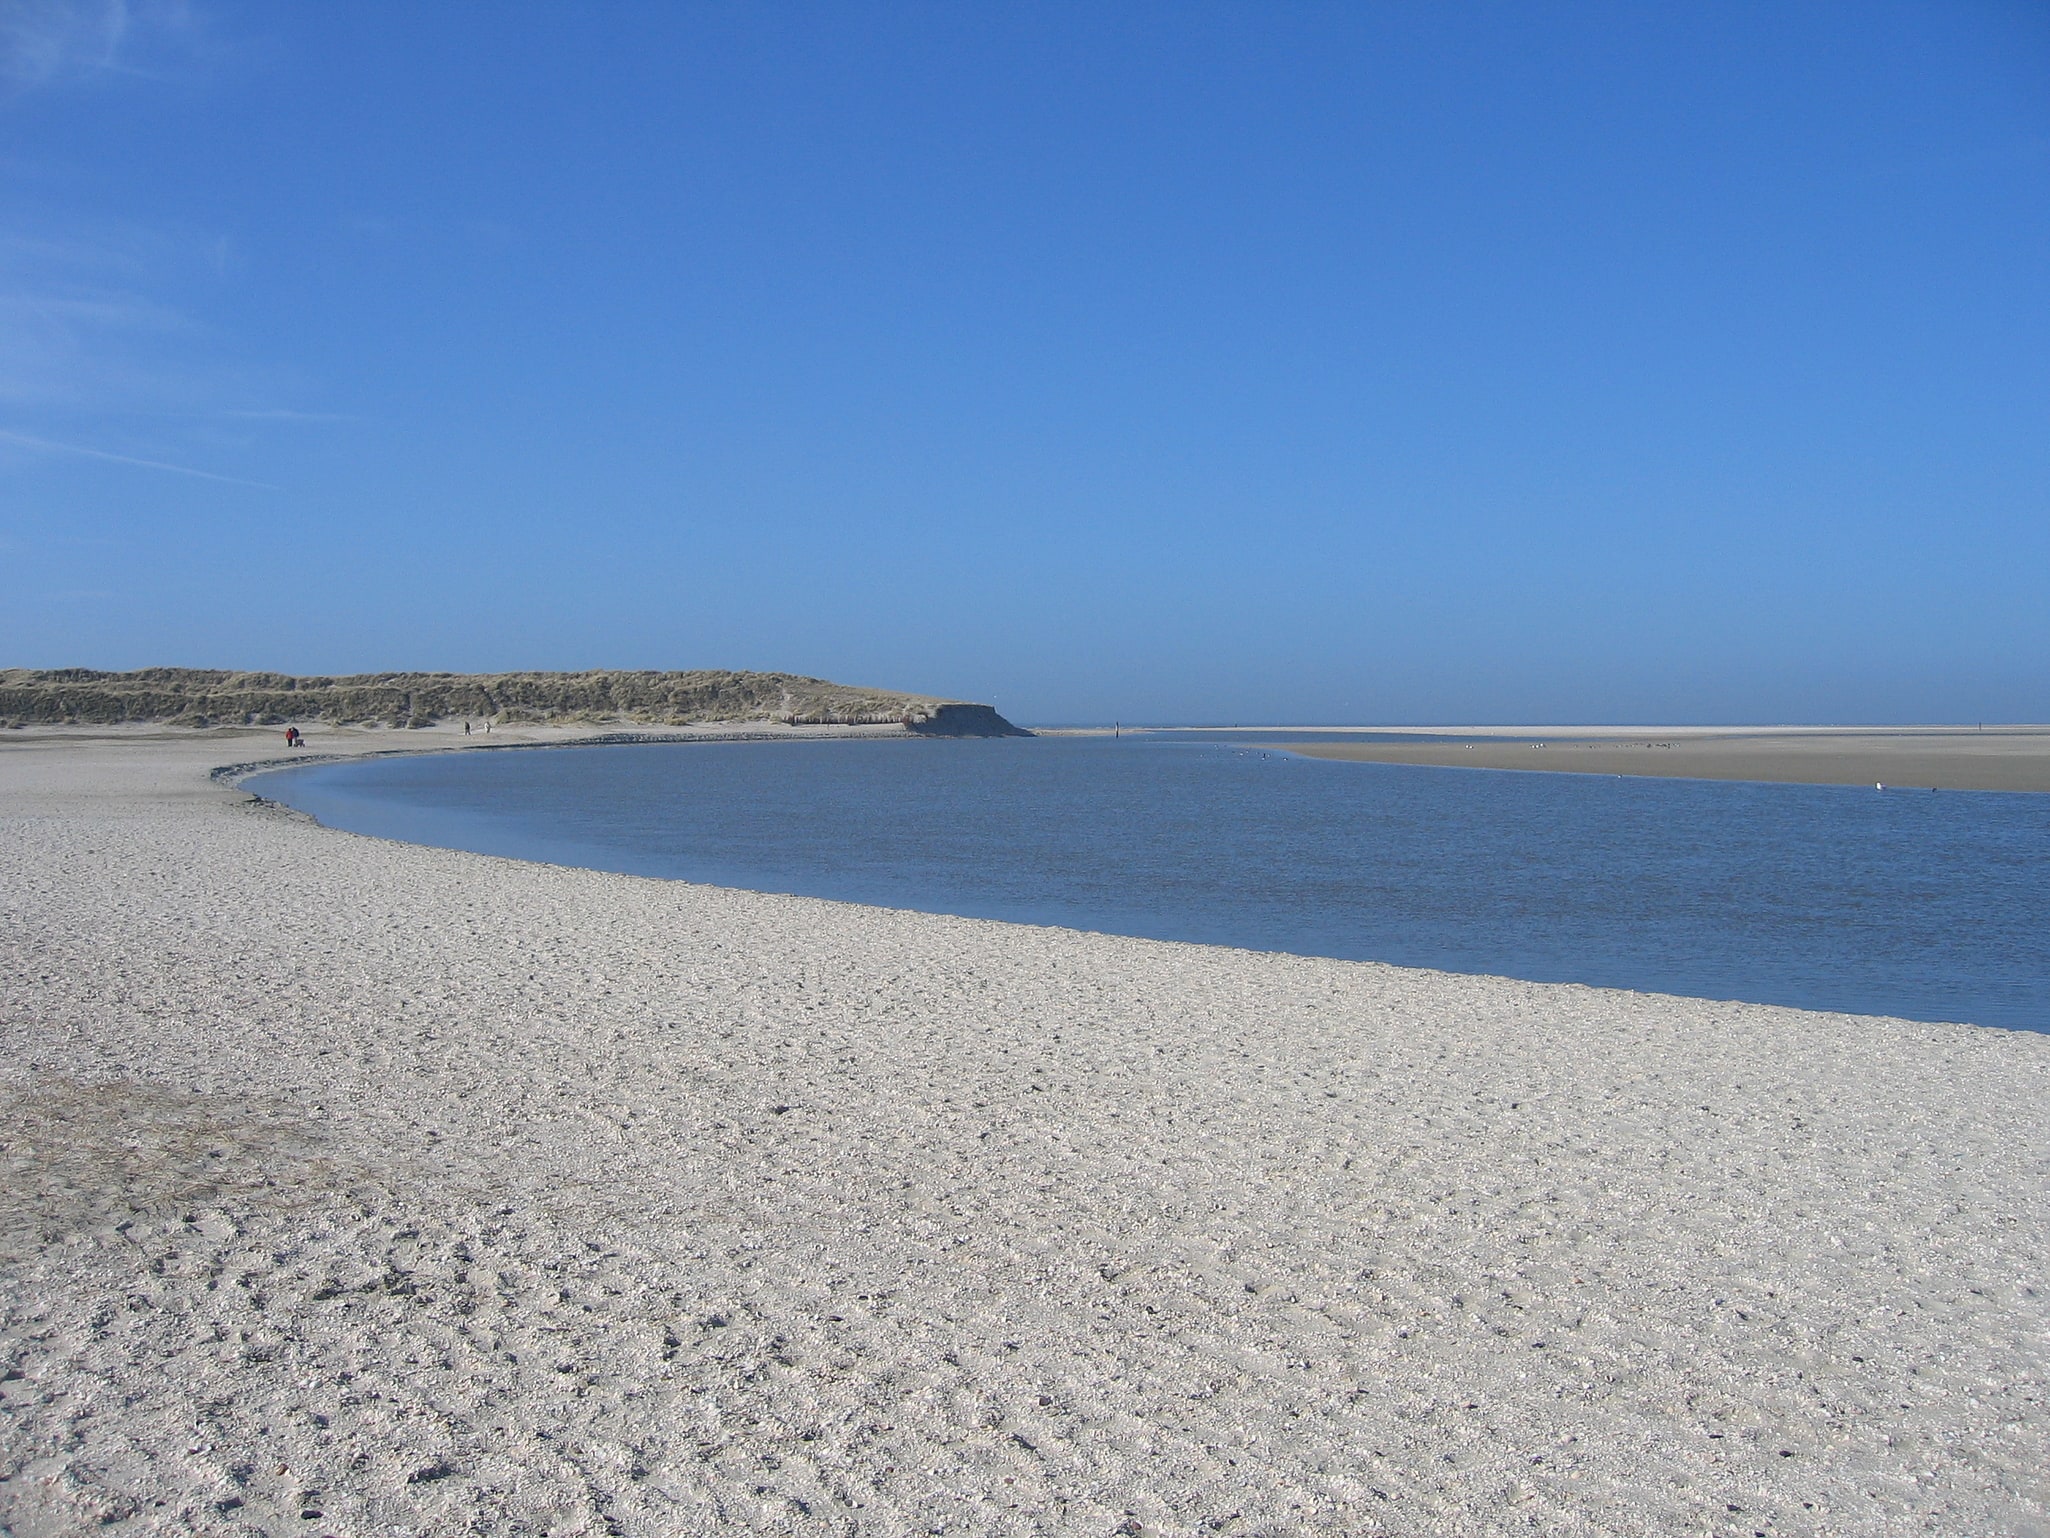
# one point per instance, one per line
(50, 42)
(45, 445)
(280, 414)
(72, 340)
(106, 323)
(70, 595)
(45, 40)
(105, 320)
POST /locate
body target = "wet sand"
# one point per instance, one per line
(2007, 758)
(359, 1188)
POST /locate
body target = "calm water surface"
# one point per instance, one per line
(1932, 906)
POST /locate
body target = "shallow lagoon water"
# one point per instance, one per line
(1928, 906)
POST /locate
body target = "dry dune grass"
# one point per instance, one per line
(205, 697)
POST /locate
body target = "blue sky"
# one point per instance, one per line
(1214, 362)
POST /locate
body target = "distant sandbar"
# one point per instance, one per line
(1997, 758)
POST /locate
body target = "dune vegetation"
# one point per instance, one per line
(203, 697)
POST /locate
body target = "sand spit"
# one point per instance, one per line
(355, 1188)
(1999, 758)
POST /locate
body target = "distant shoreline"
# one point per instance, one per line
(1993, 758)
(1907, 758)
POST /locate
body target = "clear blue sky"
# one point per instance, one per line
(1240, 362)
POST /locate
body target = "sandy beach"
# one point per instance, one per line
(359, 1188)
(1956, 758)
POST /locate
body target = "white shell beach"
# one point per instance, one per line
(362, 1188)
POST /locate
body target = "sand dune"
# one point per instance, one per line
(207, 697)
(359, 1188)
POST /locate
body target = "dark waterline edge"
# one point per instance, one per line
(232, 775)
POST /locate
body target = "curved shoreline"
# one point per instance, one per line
(233, 775)
(450, 1189)
(945, 847)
